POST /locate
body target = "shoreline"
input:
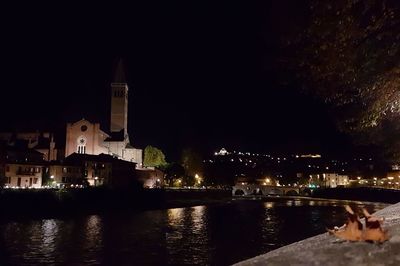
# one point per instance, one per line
(56, 203)
(272, 198)
(53, 204)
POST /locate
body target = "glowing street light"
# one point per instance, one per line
(198, 179)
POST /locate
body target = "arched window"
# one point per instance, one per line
(81, 148)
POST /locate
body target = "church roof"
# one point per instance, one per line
(84, 121)
(77, 158)
(43, 143)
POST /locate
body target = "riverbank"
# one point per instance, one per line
(324, 249)
(370, 194)
(310, 200)
(53, 203)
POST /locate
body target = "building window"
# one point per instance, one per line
(35, 179)
(82, 149)
(81, 141)
(119, 93)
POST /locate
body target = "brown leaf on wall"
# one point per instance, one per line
(354, 230)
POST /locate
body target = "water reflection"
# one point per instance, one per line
(198, 219)
(270, 227)
(175, 221)
(93, 232)
(187, 235)
(49, 230)
(268, 205)
(298, 203)
(34, 241)
(219, 234)
(175, 216)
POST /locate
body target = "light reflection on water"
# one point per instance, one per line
(269, 205)
(186, 237)
(218, 234)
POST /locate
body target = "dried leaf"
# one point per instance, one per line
(373, 229)
(353, 230)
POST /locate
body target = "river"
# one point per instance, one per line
(213, 234)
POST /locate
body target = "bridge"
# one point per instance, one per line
(254, 189)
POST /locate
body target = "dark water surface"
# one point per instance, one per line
(216, 234)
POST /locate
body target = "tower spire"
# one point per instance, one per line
(119, 74)
(119, 101)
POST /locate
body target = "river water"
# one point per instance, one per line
(214, 234)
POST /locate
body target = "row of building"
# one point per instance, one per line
(25, 168)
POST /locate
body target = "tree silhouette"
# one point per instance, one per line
(153, 157)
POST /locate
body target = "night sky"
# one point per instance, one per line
(201, 75)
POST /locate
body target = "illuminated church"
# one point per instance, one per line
(85, 137)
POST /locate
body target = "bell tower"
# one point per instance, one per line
(119, 101)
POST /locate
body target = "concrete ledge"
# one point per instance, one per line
(326, 250)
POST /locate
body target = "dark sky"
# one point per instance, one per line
(201, 74)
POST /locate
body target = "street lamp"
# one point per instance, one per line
(53, 182)
(198, 179)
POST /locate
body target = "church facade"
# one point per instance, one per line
(85, 137)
